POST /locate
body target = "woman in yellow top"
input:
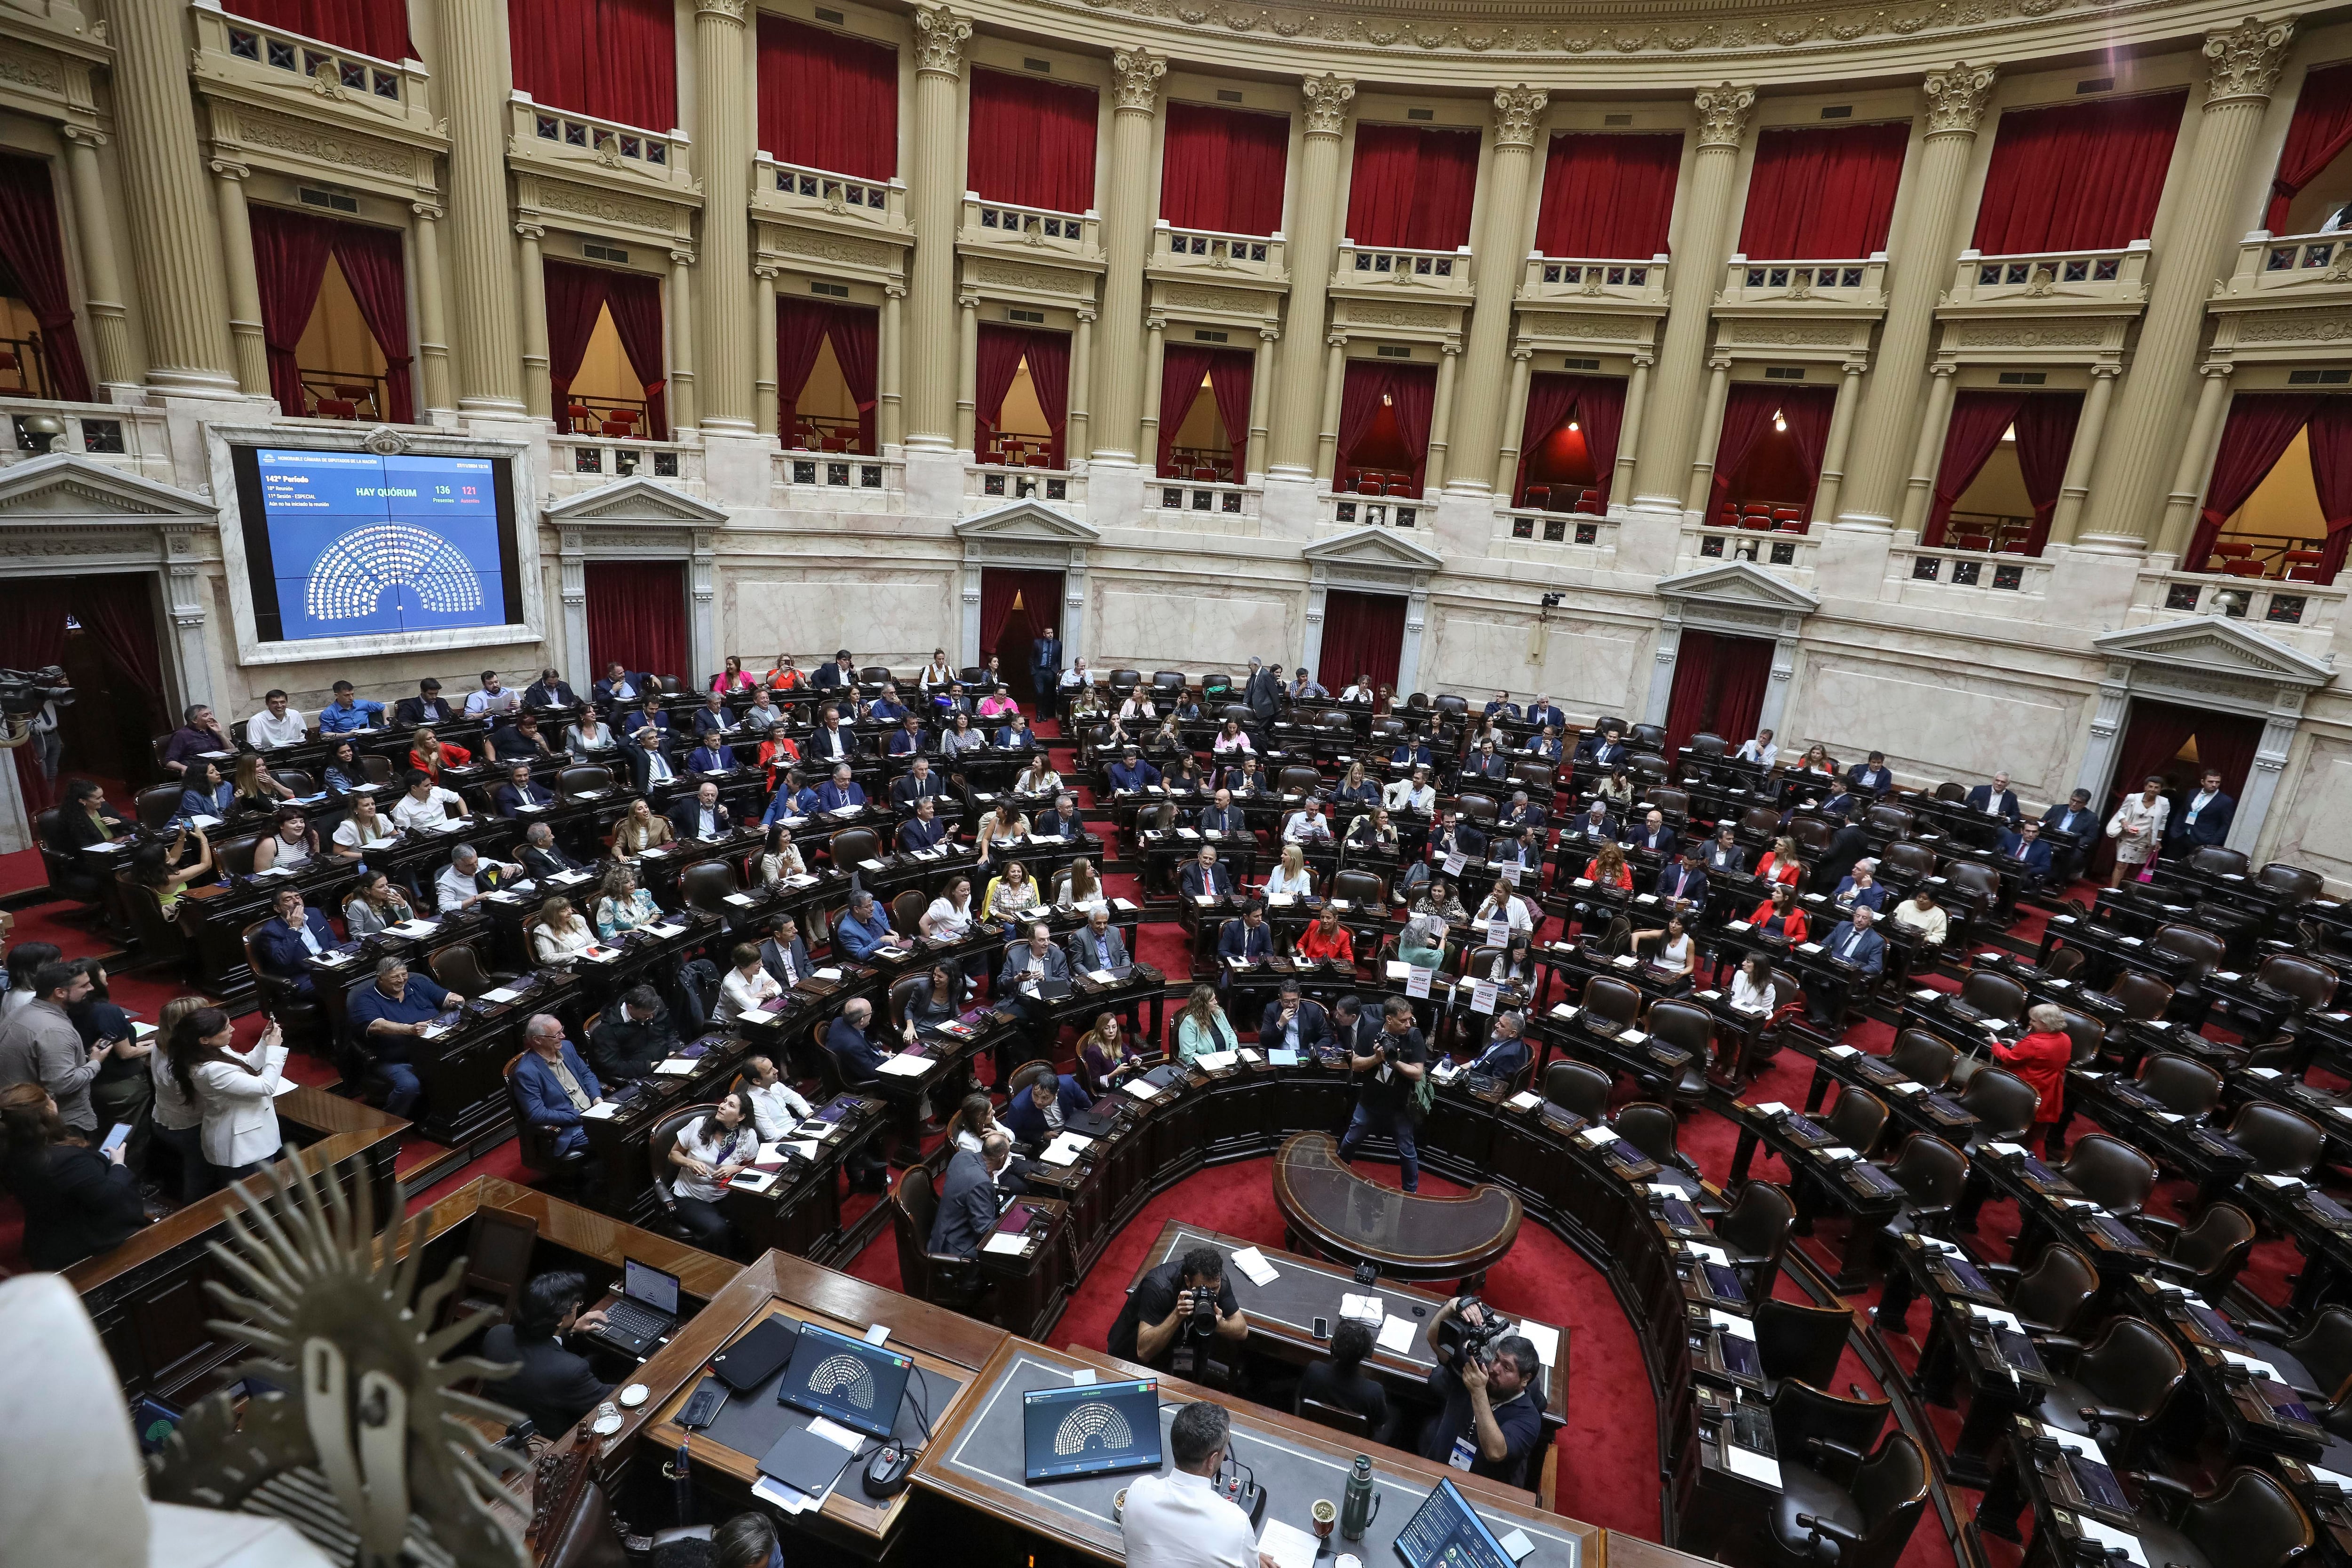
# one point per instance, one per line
(154, 868)
(1009, 897)
(640, 830)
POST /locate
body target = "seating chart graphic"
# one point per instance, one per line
(360, 543)
(1092, 1424)
(844, 1377)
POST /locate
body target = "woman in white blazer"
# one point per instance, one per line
(235, 1092)
(2137, 828)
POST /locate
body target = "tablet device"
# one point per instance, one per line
(1445, 1531)
(1090, 1429)
(855, 1384)
(753, 1359)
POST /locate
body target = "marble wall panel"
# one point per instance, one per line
(1936, 722)
(2312, 818)
(815, 610)
(1194, 626)
(1588, 667)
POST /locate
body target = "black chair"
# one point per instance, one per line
(2248, 1521)
(1857, 1120)
(1840, 1510)
(1579, 1088)
(1650, 1127)
(941, 1278)
(2207, 1255)
(1933, 1176)
(2284, 1142)
(2112, 1174)
(2318, 1359)
(2115, 1388)
(1755, 1231)
(1923, 1059)
(1799, 1342)
(2002, 1103)
(1690, 1027)
(2051, 1298)
(2184, 1085)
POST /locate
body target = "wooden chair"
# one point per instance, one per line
(497, 1266)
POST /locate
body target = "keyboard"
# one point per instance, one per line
(626, 1319)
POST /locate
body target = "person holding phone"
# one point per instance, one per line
(79, 1201)
(236, 1091)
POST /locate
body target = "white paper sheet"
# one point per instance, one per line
(1755, 1467)
(1367, 1308)
(1396, 1335)
(1012, 1243)
(1286, 1545)
(603, 1111)
(1253, 1263)
(905, 1065)
(1545, 1337)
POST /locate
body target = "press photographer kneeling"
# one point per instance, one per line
(1174, 1312)
(1486, 1375)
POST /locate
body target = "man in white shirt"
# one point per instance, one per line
(1759, 751)
(1414, 793)
(1305, 825)
(775, 1109)
(275, 724)
(426, 803)
(493, 700)
(1180, 1520)
(467, 878)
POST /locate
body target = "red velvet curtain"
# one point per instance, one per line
(1183, 368)
(616, 59)
(1223, 169)
(2321, 129)
(1743, 669)
(1692, 701)
(290, 261)
(1980, 419)
(32, 634)
(1748, 418)
(637, 616)
(856, 346)
(2157, 732)
(118, 609)
(1363, 633)
(1031, 141)
(827, 101)
(575, 295)
(1230, 378)
(1823, 194)
(1412, 186)
(1000, 360)
(2330, 438)
(2078, 177)
(378, 27)
(1611, 196)
(1040, 594)
(801, 328)
(1048, 354)
(2045, 439)
(31, 250)
(635, 299)
(378, 275)
(1407, 390)
(2261, 427)
(1550, 400)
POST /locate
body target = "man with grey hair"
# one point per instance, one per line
(967, 1212)
(1262, 695)
(1180, 1520)
(541, 859)
(553, 1088)
(854, 1044)
(391, 1016)
(468, 879)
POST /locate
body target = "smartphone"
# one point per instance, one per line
(116, 1139)
(1322, 1328)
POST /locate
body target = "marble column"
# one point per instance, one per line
(1515, 421)
(1120, 386)
(890, 418)
(174, 252)
(2203, 226)
(1082, 359)
(1928, 450)
(1335, 382)
(1416, 618)
(243, 282)
(1661, 664)
(935, 421)
(1921, 271)
(2106, 731)
(1840, 440)
(1300, 400)
(2262, 786)
(1629, 434)
(1479, 431)
(2083, 454)
(1776, 690)
(432, 310)
(967, 375)
(1261, 399)
(1701, 486)
(766, 411)
(683, 400)
(723, 156)
(102, 254)
(2196, 464)
(470, 89)
(1662, 467)
(538, 387)
(1441, 420)
(1155, 358)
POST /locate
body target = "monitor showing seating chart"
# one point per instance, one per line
(1446, 1532)
(850, 1381)
(1090, 1429)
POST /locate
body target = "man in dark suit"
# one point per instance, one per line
(1062, 822)
(855, 1046)
(712, 718)
(1486, 764)
(2027, 849)
(1411, 754)
(710, 755)
(1995, 799)
(1222, 815)
(1542, 714)
(1292, 1022)
(1681, 884)
(1454, 835)
(1521, 814)
(1502, 707)
(1603, 750)
(840, 675)
(622, 689)
(908, 740)
(885, 708)
(1873, 777)
(1098, 945)
(1837, 805)
(632, 1038)
(549, 690)
(1246, 940)
(1655, 835)
(2204, 817)
(1525, 848)
(916, 784)
(967, 1197)
(1354, 1030)
(701, 814)
(519, 792)
(2071, 831)
(785, 954)
(1858, 954)
(1596, 826)
(1262, 695)
(648, 714)
(1045, 671)
(830, 740)
(1131, 772)
(426, 709)
(1034, 1117)
(841, 790)
(551, 1386)
(519, 740)
(540, 856)
(924, 830)
(285, 946)
(1035, 958)
(1204, 876)
(1848, 844)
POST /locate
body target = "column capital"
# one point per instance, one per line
(2245, 59)
(230, 169)
(1269, 335)
(1449, 346)
(1723, 114)
(1135, 80)
(1943, 367)
(1155, 324)
(82, 135)
(765, 272)
(1517, 112)
(682, 258)
(1336, 341)
(2106, 372)
(1719, 363)
(1523, 354)
(893, 290)
(532, 231)
(2219, 369)
(1327, 99)
(1957, 97)
(1643, 359)
(939, 37)
(725, 10)
(430, 212)
(1085, 313)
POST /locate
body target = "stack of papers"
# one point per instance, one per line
(1368, 1309)
(1396, 1335)
(1253, 1263)
(1215, 1061)
(905, 1065)
(1140, 1088)
(1012, 1243)
(1064, 1149)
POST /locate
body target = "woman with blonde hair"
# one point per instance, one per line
(1106, 1055)
(1202, 1029)
(641, 830)
(562, 934)
(1291, 879)
(256, 788)
(1780, 863)
(622, 906)
(429, 754)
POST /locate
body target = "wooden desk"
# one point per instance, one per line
(1397, 1230)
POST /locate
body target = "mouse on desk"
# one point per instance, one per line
(886, 1472)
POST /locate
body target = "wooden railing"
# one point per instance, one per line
(25, 367)
(341, 394)
(824, 433)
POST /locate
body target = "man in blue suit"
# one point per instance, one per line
(1502, 707)
(552, 1086)
(866, 927)
(519, 792)
(966, 1201)
(1873, 777)
(1035, 1116)
(285, 945)
(794, 797)
(711, 755)
(1682, 883)
(2204, 817)
(1858, 952)
(1292, 1022)
(1995, 799)
(1412, 754)
(1246, 941)
(841, 790)
(908, 740)
(924, 830)
(1542, 714)
(1132, 773)
(852, 1045)
(2027, 851)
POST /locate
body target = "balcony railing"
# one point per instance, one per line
(341, 395)
(2272, 265)
(566, 136)
(1378, 511)
(624, 418)
(1554, 527)
(121, 437)
(2302, 615)
(2069, 279)
(25, 367)
(1201, 505)
(1212, 250)
(1552, 537)
(1009, 223)
(990, 485)
(1557, 279)
(1910, 567)
(1849, 283)
(239, 49)
(1361, 265)
(1785, 552)
(842, 196)
(587, 462)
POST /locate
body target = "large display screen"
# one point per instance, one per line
(342, 544)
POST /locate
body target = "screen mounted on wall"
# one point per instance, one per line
(342, 543)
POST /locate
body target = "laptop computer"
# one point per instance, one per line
(846, 1380)
(1090, 1429)
(1445, 1531)
(647, 1311)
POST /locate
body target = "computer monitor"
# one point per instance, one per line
(644, 1282)
(1090, 1429)
(855, 1384)
(1445, 1531)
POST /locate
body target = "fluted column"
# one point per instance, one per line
(2190, 474)
(1335, 381)
(1478, 434)
(1082, 360)
(1261, 399)
(890, 420)
(470, 89)
(1921, 269)
(723, 158)
(1120, 386)
(2151, 404)
(538, 394)
(183, 298)
(1701, 480)
(934, 418)
(2083, 455)
(1155, 357)
(101, 253)
(1298, 397)
(244, 282)
(766, 412)
(432, 308)
(1839, 443)
(1441, 420)
(1663, 465)
(1927, 449)
(683, 399)
(1629, 435)
(1515, 422)
(966, 374)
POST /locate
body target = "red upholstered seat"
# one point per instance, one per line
(2232, 549)
(2242, 568)
(1537, 496)
(1398, 489)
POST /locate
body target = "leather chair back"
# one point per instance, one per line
(2111, 1173)
(1931, 1172)
(1904, 861)
(1024, 1079)
(461, 970)
(1994, 995)
(874, 675)
(1684, 1024)
(378, 768)
(2198, 947)
(1452, 706)
(1123, 681)
(1613, 1000)
(1858, 1118)
(1705, 745)
(2184, 1085)
(2212, 860)
(1579, 1087)
(1763, 821)
(2307, 980)
(1888, 821)
(1649, 1127)
(2057, 1291)
(852, 845)
(235, 858)
(1890, 1488)
(1674, 803)
(155, 807)
(582, 778)
(1953, 794)
(1167, 683)
(2324, 1346)
(1298, 781)
(1800, 1342)
(907, 910)
(2131, 1366)
(2249, 1521)
(1387, 731)
(1649, 770)
(2295, 883)
(2143, 997)
(1812, 836)
(664, 1138)
(2087, 1033)
(2215, 1248)
(2002, 1103)
(914, 1208)
(1539, 776)
(1923, 1057)
(1479, 808)
(1970, 887)
(1362, 889)
(903, 993)
(706, 885)
(1238, 711)
(1758, 1225)
(1802, 1413)
(2063, 963)
(2284, 1142)
(1648, 738)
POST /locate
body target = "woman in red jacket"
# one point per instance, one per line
(1780, 915)
(2039, 1058)
(1780, 863)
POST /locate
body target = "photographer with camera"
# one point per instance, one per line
(1176, 1307)
(1390, 1069)
(1486, 1377)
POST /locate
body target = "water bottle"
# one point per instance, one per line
(1360, 1507)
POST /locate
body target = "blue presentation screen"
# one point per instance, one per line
(353, 544)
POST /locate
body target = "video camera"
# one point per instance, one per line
(22, 692)
(1476, 1342)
